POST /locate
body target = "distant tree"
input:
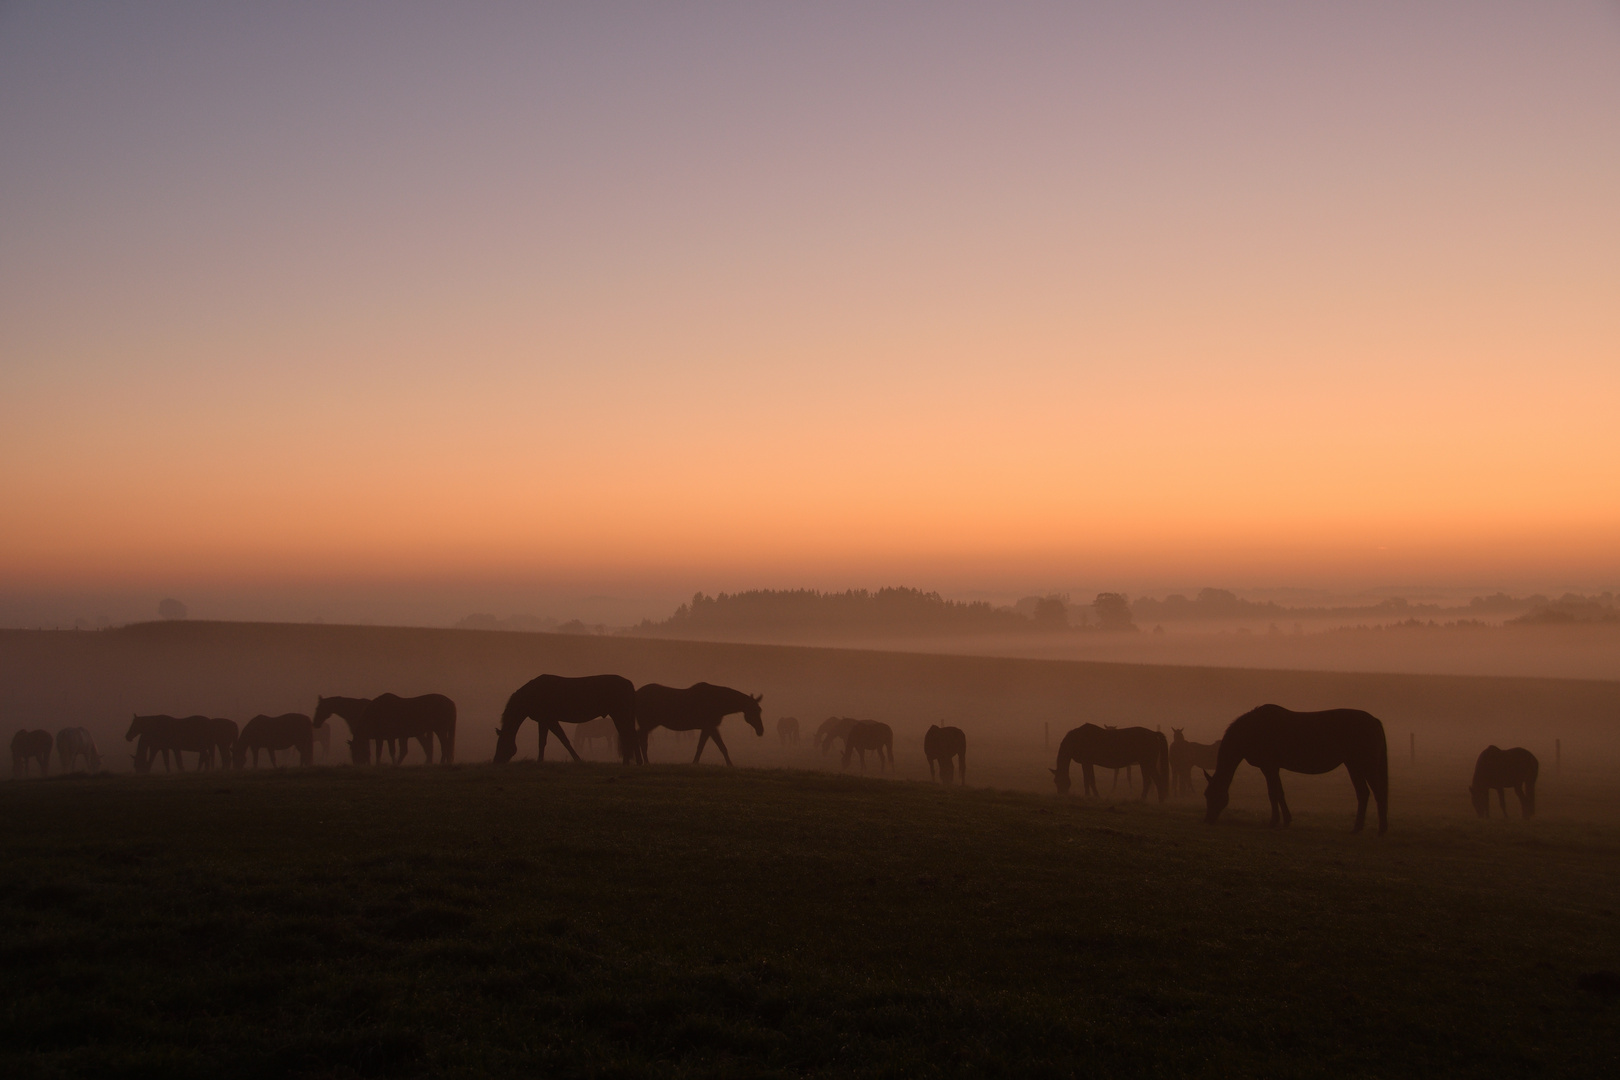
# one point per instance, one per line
(1113, 611)
(172, 609)
(1052, 613)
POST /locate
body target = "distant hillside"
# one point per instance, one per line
(809, 613)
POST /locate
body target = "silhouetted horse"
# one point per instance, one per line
(593, 730)
(1272, 738)
(289, 731)
(29, 746)
(787, 731)
(1185, 757)
(941, 744)
(834, 727)
(73, 743)
(198, 735)
(1502, 769)
(225, 735)
(390, 716)
(552, 700)
(864, 735)
(322, 737)
(352, 709)
(700, 707)
(1114, 748)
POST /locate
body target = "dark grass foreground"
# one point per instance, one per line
(587, 920)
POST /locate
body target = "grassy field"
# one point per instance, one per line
(590, 920)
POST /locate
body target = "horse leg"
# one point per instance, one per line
(703, 740)
(1362, 788)
(721, 743)
(1089, 778)
(1279, 805)
(961, 768)
(1501, 795)
(562, 737)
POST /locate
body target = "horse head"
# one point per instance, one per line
(751, 713)
(1215, 798)
(323, 709)
(1177, 735)
(137, 727)
(505, 744)
(1060, 778)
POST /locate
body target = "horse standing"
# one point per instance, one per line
(390, 716)
(1185, 757)
(700, 707)
(198, 735)
(30, 746)
(864, 735)
(1272, 738)
(225, 735)
(74, 743)
(1502, 769)
(787, 731)
(832, 728)
(1114, 748)
(941, 744)
(553, 700)
(351, 709)
(289, 731)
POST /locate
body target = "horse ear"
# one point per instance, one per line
(757, 697)
(1052, 771)
(1208, 779)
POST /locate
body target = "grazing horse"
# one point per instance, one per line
(29, 746)
(1272, 738)
(601, 729)
(351, 709)
(1114, 748)
(700, 707)
(787, 731)
(864, 735)
(73, 743)
(1502, 769)
(1185, 757)
(289, 731)
(834, 727)
(198, 735)
(390, 716)
(941, 744)
(552, 700)
(225, 735)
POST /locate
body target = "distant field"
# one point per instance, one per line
(590, 920)
(52, 679)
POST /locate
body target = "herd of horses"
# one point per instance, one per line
(1271, 738)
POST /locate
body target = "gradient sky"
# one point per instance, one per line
(609, 297)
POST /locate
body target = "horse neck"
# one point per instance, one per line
(1227, 759)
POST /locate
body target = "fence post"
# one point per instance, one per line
(1046, 734)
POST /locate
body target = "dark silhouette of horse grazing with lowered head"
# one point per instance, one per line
(73, 743)
(700, 707)
(1185, 757)
(200, 735)
(864, 735)
(289, 731)
(942, 744)
(787, 731)
(1113, 748)
(30, 746)
(423, 718)
(831, 729)
(1272, 738)
(1502, 769)
(553, 700)
(352, 709)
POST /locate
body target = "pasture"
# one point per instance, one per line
(565, 919)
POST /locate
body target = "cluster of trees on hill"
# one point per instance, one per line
(894, 612)
(1225, 604)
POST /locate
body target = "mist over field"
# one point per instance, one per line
(841, 539)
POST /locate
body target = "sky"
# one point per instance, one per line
(398, 311)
